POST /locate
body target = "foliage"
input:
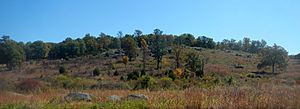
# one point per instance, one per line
(195, 63)
(62, 69)
(96, 72)
(275, 56)
(130, 48)
(12, 54)
(171, 74)
(178, 72)
(37, 50)
(158, 47)
(125, 60)
(133, 75)
(145, 82)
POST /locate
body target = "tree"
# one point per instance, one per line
(12, 54)
(91, 44)
(138, 34)
(196, 63)
(205, 42)
(275, 56)
(178, 55)
(145, 52)
(158, 47)
(246, 44)
(130, 48)
(104, 41)
(38, 50)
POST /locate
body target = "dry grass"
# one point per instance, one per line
(220, 97)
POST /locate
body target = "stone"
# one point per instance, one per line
(114, 98)
(78, 96)
(137, 97)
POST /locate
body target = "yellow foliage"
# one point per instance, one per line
(125, 59)
(178, 72)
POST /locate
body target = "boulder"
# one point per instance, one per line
(78, 96)
(137, 97)
(114, 98)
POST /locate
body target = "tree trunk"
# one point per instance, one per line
(273, 68)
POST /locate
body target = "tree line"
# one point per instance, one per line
(14, 53)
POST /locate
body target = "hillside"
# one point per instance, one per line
(228, 74)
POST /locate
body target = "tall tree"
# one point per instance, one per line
(91, 44)
(38, 50)
(138, 34)
(145, 52)
(196, 63)
(275, 56)
(246, 44)
(12, 54)
(158, 47)
(130, 48)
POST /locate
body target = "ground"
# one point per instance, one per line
(223, 85)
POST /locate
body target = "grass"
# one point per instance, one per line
(262, 96)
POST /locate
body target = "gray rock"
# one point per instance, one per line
(78, 96)
(114, 98)
(137, 96)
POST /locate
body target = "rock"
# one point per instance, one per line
(114, 98)
(137, 97)
(78, 96)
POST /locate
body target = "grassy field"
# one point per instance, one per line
(223, 85)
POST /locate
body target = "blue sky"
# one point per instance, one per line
(276, 21)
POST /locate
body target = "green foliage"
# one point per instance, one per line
(167, 83)
(11, 53)
(133, 75)
(130, 48)
(158, 47)
(205, 42)
(62, 69)
(275, 56)
(195, 63)
(37, 50)
(145, 82)
(170, 74)
(96, 72)
(68, 82)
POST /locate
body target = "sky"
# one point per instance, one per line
(276, 21)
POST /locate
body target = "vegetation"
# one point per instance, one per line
(181, 71)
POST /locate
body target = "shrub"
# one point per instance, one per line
(171, 74)
(178, 72)
(30, 85)
(96, 72)
(116, 73)
(62, 70)
(73, 83)
(166, 83)
(111, 86)
(133, 75)
(145, 82)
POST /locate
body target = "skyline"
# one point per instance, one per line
(53, 21)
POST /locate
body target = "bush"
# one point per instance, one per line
(166, 83)
(145, 82)
(171, 74)
(62, 70)
(30, 85)
(111, 86)
(133, 75)
(96, 72)
(73, 83)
